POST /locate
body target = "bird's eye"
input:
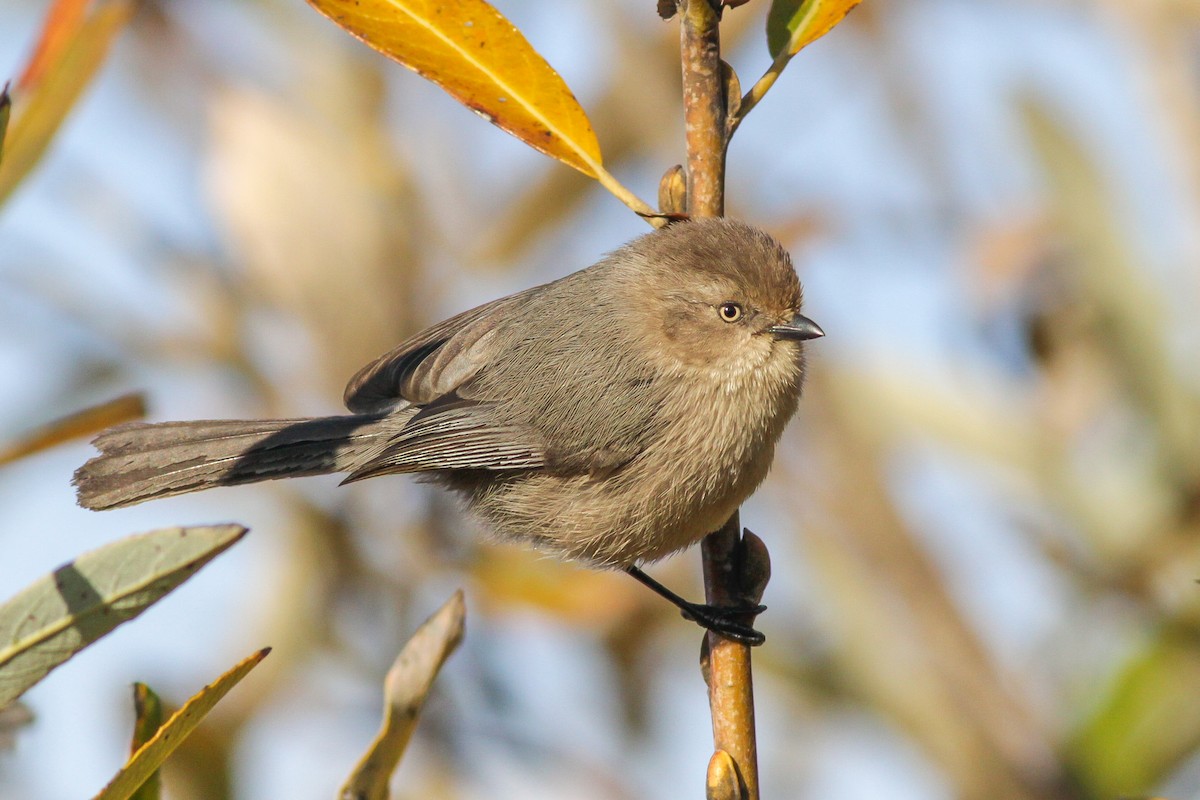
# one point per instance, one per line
(730, 312)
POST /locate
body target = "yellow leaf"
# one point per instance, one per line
(62, 24)
(794, 24)
(82, 423)
(583, 597)
(473, 52)
(150, 756)
(407, 684)
(41, 110)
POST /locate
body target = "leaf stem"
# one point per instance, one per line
(760, 88)
(618, 190)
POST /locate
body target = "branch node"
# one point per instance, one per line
(723, 782)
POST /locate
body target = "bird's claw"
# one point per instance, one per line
(721, 620)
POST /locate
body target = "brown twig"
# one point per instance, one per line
(736, 570)
(726, 664)
(703, 107)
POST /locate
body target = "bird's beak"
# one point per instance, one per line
(799, 329)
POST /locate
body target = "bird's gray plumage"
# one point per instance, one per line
(610, 416)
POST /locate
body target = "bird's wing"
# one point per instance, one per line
(450, 430)
(452, 433)
(433, 363)
(576, 414)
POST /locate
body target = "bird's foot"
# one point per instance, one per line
(726, 621)
(722, 620)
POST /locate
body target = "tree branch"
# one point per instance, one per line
(725, 663)
(703, 107)
(736, 571)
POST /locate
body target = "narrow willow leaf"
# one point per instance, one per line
(82, 423)
(63, 22)
(60, 614)
(473, 52)
(150, 756)
(43, 108)
(1111, 279)
(405, 688)
(148, 710)
(794, 24)
(1140, 732)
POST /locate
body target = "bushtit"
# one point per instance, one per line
(613, 416)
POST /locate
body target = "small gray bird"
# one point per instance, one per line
(613, 416)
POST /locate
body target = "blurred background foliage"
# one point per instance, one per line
(984, 521)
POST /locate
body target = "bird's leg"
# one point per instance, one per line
(718, 619)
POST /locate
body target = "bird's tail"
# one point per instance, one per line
(140, 462)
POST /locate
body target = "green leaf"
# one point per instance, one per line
(1141, 732)
(795, 24)
(148, 709)
(60, 614)
(150, 756)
